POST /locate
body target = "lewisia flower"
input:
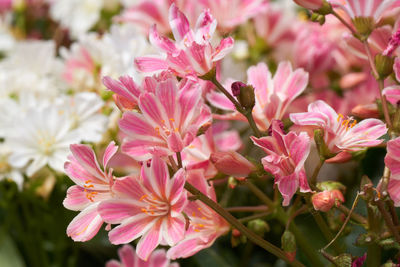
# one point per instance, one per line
(392, 161)
(365, 8)
(191, 54)
(168, 122)
(149, 206)
(93, 185)
(340, 134)
(205, 225)
(286, 156)
(128, 257)
(272, 95)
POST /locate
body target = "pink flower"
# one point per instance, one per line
(340, 134)
(149, 207)
(392, 161)
(191, 54)
(205, 225)
(216, 138)
(272, 95)
(365, 8)
(168, 122)
(310, 4)
(129, 258)
(392, 94)
(232, 163)
(93, 185)
(286, 156)
(239, 11)
(79, 62)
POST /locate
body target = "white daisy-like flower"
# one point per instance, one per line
(83, 110)
(41, 138)
(6, 170)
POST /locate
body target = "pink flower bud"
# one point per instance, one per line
(341, 157)
(366, 111)
(325, 200)
(232, 163)
(236, 86)
(310, 4)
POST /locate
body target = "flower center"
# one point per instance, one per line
(154, 206)
(165, 130)
(90, 194)
(345, 123)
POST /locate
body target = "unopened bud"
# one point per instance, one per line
(364, 26)
(288, 242)
(366, 111)
(245, 94)
(232, 182)
(325, 200)
(318, 18)
(203, 128)
(384, 65)
(258, 226)
(232, 163)
(343, 260)
(341, 157)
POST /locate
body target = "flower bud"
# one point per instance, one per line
(232, 163)
(366, 111)
(258, 226)
(203, 128)
(384, 65)
(364, 26)
(232, 182)
(343, 260)
(288, 242)
(341, 157)
(245, 94)
(325, 200)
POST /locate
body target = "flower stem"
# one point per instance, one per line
(380, 82)
(247, 114)
(255, 216)
(345, 23)
(261, 208)
(325, 230)
(388, 220)
(239, 226)
(313, 180)
(179, 158)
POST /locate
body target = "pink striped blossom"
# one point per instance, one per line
(169, 120)
(392, 161)
(286, 156)
(129, 258)
(273, 95)
(93, 185)
(191, 54)
(205, 225)
(340, 133)
(149, 207)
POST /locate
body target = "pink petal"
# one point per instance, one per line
(173, 230)
(288, 186)
(161, 42)
(109, 153)
(396, 68)
(127, 255)
(392, 94)
(149, 241)
(130, 230)
(114, 211)
(220, 101)
(150, 64)
(86, 157)
(85, 225)
(156, 178)
(179, 23)
(133, 123)
(76, 198)
(224, 48)
(125, 87)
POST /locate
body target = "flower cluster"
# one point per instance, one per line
(180, 121)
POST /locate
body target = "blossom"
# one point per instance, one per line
(205, 225)
(392, 160)
(273, 96)
(365, 8)
(286, 156)
(149, 207)
(192, 53)
(129, 258)
(310, 4)
(340, 134)
(76, 15)
(168, 122)
(93, 185)
(41, 138)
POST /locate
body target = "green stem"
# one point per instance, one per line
(247, 114)
(313, 180)
(325, 230)
(179, 158)
(247, 209)
(239, 226)
(255, 216)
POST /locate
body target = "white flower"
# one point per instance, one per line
(76, 15)
(41, 138)
(83, 110)
(6, 170)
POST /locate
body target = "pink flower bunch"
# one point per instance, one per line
(191, 54)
